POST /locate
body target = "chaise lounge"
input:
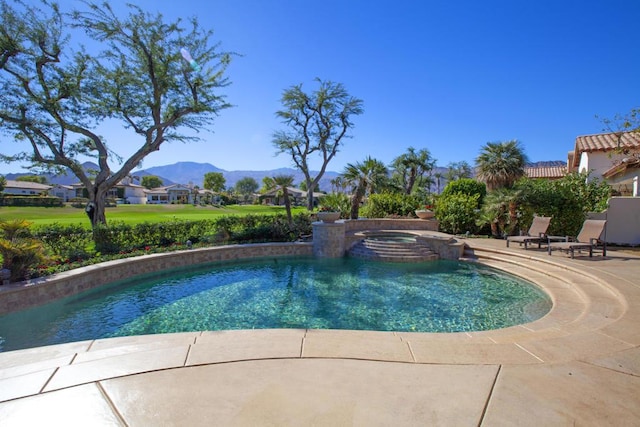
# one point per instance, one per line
(588, 238)
(536, 233)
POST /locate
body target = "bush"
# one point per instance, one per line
(21, 253)
(41, 201)
(458, 213)
(337, 202)
(68, 242)
(390, 204)
(466, 186)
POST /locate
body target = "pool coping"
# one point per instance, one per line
(594, 320)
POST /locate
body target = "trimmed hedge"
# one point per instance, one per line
(41, 201)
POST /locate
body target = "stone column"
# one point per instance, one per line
(328, 239)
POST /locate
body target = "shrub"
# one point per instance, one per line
(390, 204)
(66, 242)
(336, 202)
(21, 253)
(466, 186)
(42, 201)
(458, 213)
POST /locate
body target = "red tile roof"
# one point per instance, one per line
(548, 172)
(607, 141)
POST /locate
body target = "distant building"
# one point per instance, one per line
(25, 188)
(614, 157)
(123, 191)
(177, 193)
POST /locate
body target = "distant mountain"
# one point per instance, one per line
(68, 178)
(181, 172)
(191, 172)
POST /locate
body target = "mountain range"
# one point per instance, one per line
(193, 173)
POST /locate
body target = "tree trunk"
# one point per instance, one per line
(287, 206)
(355, 203)
(97, 203)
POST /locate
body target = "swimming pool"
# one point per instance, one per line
(343, 293)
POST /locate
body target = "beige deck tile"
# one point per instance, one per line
(575, 346)
(356, 345)
(523, 333)
(462, 337)
(246, 345)
(116, 366)
(626, 361)
(41, 365)
(564, 394)
(40, 354)
(24, 385)
(459, 353)
(129, 346)
(141, 340)
(305, 392)
(626, 329)
(77, 406)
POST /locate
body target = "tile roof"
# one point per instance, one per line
(546, 172)
(607, 141)
(27, 185)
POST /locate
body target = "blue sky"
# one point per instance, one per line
(448, 76)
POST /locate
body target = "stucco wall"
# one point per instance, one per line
(623, 220)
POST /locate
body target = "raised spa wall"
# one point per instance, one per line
(334, 239)
(329, 240)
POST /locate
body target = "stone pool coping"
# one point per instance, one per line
(579, 364)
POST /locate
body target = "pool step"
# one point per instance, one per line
(392, 251)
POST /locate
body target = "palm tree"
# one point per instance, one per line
(500, 164)
(285, 181)
(412, 166)
(364, 177)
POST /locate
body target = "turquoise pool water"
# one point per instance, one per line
(346, 293)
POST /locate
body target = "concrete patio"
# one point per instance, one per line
(579, 365)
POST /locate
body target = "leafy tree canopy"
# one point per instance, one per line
(500, 164)
(56, 93)
(33, 178)
(214, 181)
(151, 181)
(318, 122)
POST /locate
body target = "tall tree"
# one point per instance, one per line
(56, 94)
(500, 164)
(318, 124)
(214, 181)
(151, 181)
(3, 183)
(412, 167)
(364, 177)
(246, 187)
(283, 182)
(458, 170)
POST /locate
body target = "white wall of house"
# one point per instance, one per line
(598, 162)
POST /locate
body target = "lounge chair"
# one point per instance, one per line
(588, 238)
(537, 232)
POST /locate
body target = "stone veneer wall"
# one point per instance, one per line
(354, 225)
(19, 296)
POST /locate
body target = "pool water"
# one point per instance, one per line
(345, 293)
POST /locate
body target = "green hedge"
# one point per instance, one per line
(41, 201)
(76, 243)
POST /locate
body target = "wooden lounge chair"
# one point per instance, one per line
(537, 232)
(588, 238)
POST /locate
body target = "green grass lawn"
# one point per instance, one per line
(134, 214)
